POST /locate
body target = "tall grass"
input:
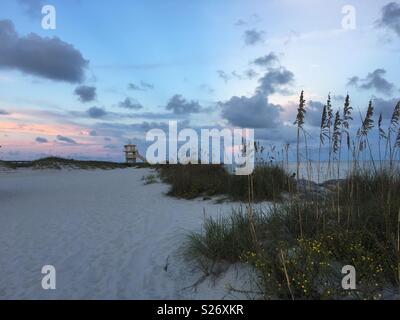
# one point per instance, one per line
(191, 181)
(300, 245)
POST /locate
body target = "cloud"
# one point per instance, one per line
(284, 134)
(314, 113)
(252, 37)
(126, 131)
(142, 86)
(96, 112)
(93, 133)
(256, 111)
(3, 112)
(112, 147)
(66, 139)
(374, 80)
(253, 112)
(86, 93)
(353, 81)
(390, 18)
(275, 80)
(133, 86)
(146, 125)
(146, 85)
(385, 107)
(236, 75)
(32, 8)
(128, 103)
(223, 75)
(250, 74)
(50, 58)
(247, 74)
(338, 97)
(267, 60)
(251, 20)
(240, 23)
(180, 106)
(41, 140)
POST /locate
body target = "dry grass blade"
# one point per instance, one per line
(394, 121)
(382, 132)
(337, 134)
(368, 122)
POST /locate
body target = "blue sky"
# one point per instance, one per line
(143, 63)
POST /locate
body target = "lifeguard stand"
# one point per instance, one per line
(132, 154)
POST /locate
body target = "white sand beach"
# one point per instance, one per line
(108, 235)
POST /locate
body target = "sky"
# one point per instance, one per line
(111, 71)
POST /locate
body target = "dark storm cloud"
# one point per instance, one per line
(50, 58)
(353, 81)
(96, 112)
(41, 140)
(283, 134)
(275, 80)
(385, 107)
(142, 86)
(133, 86)
(128, 103)
(250, 74)
(179, 105)
(374, 80)
(253, 112)
(267, 60)
(390, 17)
(66, 139)
(256, 111)
(314, 113)
(253, 36)
(86, 93)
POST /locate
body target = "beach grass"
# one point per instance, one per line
(299, 247)
(192, 181)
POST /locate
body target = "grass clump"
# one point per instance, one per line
(191, 181)
(149, 179)
(223, 239)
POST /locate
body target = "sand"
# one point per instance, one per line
(107, 234)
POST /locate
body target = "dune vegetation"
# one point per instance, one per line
(298, 247)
